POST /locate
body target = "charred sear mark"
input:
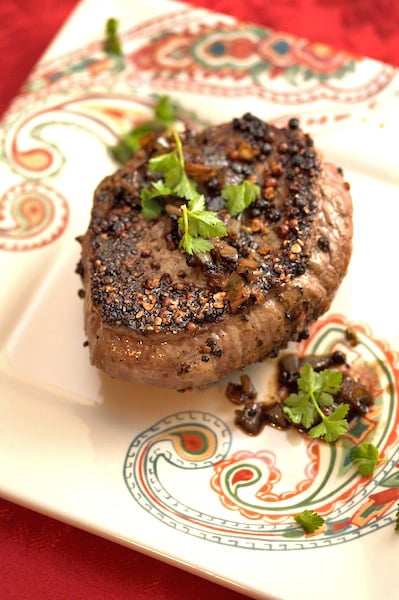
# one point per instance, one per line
(266, 245)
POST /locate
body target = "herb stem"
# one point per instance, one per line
(185, 217)
(316, 405)
(179, 148)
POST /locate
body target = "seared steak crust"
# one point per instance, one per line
(155, 315)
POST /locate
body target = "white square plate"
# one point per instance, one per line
(167, 473)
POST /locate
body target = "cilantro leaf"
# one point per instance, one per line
(198, 225)
(365, 457)
(206, 224)
(310, 520)
(325, 382)
(325, 400)
(300, 410)
(397, 520)
(129, 143)
(201, 245)
(112, 44)
(177, 178)
(307, 380)
(332, 427)
(197, 204)
(165, 111)
(314, 393)
(121, 152)
(159, 188)
(185, 188)
(171, 165)
(164, 163)
(193, 245)
(164, 117)
(132, 138)
(329, 381)
(239, 196)
(150, 206)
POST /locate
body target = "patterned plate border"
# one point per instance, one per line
(249, 482)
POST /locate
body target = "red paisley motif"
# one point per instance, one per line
(265, 493)
(242, 48)
(175, 51)
(319, 57)
(172, 52)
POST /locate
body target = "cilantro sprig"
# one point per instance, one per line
(165, 111)
(239, 196)
(365, 457)
(150, 206)
(196, 224)
(315, 392)
(310, 520)
(164, 118)
(171, 166)
(112, 43)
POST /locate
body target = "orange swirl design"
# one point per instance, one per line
(190, 443)
(237, 470)
(32, 215)
(36, 160)
(251, 483)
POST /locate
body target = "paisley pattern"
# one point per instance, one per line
(28, 148)
(241, 51)
(31, 152)
(70, 99)
(244, 469)
(215, 54)
(261, 488)
(31, 216)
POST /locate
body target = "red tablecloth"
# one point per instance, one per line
(367, 27)
(40, 557)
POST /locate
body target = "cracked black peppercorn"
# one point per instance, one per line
(293, 123)
(153, 301)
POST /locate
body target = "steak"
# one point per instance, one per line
(156, 315)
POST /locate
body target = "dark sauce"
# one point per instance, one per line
(291, 364)
(254, 414)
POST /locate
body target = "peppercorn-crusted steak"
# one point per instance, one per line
(156, 315)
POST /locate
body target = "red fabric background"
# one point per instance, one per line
(366, 27)
(41, 558)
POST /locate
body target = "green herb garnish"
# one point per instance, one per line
(150, 206)
(165, 112)
(171, 165)
(315, 391)
(309, 520)
(397, 520)
(198, 225)
(239, 196)
(130, 143)
(164, 118)
(112, 43)
(366, 458)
